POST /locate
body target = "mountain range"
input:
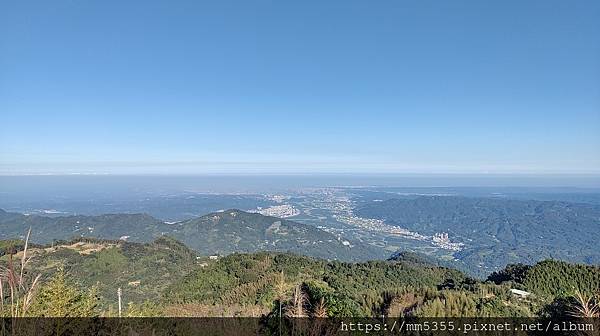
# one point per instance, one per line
(494, 231)
(218, 233)
(498, 231)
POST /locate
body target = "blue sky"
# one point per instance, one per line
(299, 86)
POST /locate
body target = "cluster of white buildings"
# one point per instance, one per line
(281, 211)
(441, 240)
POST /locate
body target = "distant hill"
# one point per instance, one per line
(136, 227)
(218, 233)
(497, 232)
(238, 231)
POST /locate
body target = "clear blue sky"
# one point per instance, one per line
(299, 86)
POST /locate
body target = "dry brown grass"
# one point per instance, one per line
(14, 282)
(83, 248)
(586, 306)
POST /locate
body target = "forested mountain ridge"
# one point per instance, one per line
(135, 227)
(180, 283)
(497, 232)
(238, 231)
(408, 287)
(217, 233)
(143, 270)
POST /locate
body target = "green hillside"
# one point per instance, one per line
(141, 270)
(178, 282)
(408, 286)
(136, 227)
(238, 231)
(218, 233)
(250, 278)
(552, 278)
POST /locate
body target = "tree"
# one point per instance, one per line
(61, 298)
(320, 310)
(281, 289)
(512, 272)
(296, 307)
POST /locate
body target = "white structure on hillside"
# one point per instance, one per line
(519, 293)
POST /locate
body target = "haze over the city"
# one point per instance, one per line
(299, 87)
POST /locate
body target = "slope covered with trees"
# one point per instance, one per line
(350, 288)
(238, 231)
(217, 233)
(141, 270)
(164, 277)
(136, 227)
(266, 283)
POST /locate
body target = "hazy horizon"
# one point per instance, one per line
(227, 183)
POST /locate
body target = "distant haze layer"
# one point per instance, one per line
(73, 185)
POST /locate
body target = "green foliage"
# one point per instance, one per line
(234, 231)
(143, 271)
(335, 304)
(414, 258)
(480, 302)
(217, 233)
(347, 289)
(559, 279)
(11, 246)
(107, 261)
(366, 289)
(139, 227)
(551, 279)
(166, 273)
(512, 272)
(59, 297)
(145, 309)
